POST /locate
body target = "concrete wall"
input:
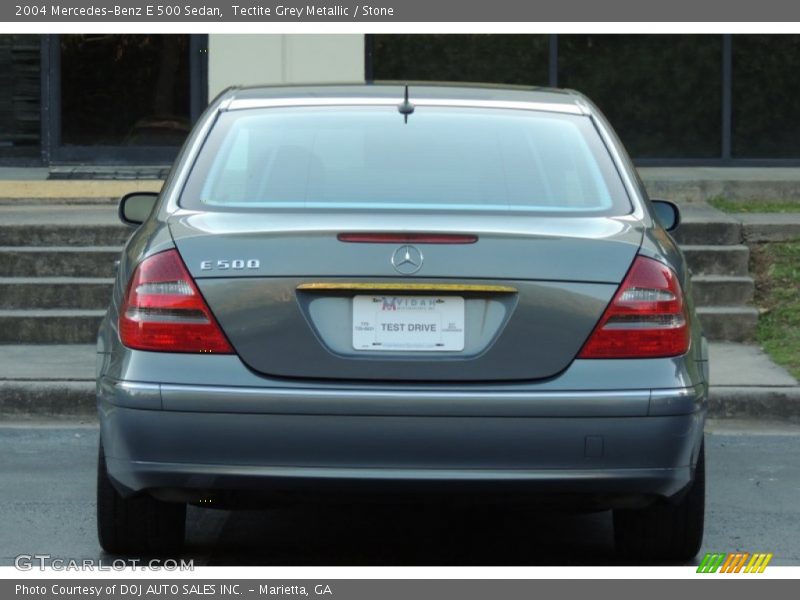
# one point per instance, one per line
(275, 58)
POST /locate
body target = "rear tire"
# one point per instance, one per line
(667, 531)
(138, 525)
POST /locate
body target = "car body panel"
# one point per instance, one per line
(515, 246)
(279, 330)
(209, 452)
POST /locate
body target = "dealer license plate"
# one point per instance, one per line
(408, 323)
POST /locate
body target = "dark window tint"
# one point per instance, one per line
(662, 93)
(128, 90)
(766, 96)
(446, 159)
(509, 59)
(20, 71)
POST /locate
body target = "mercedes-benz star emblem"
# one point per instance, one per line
(407, 260)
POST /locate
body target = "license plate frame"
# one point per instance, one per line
(408, 323)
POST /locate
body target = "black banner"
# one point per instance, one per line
(388, 11)
(731, 588)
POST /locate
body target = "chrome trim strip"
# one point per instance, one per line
(243, 104)
(677, 401)
(146, 396)
(610, 140)
(573, 477)
(423, 287)
(405, 402)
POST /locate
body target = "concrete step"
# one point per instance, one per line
(46, 224)
(49, 381)
(717, 260)
(54, 292)
(745, 383)
(696, 184)
(729, 323)
(46, 362)
(704, 224)
(23, 400)
(54, 326)
(722, 290)
(56, 201)
(723, 233)
(770, 227)
(48, 234)
(58, 261)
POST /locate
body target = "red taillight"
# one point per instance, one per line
(646, 319)
(164, 311)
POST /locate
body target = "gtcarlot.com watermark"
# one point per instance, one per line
(29, 562)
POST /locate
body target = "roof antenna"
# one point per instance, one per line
(406, 108)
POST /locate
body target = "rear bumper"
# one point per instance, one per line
(209, 439)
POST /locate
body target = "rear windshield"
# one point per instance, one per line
(455, 159)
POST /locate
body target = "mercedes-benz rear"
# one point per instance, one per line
(393, 290)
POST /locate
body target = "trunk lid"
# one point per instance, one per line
(525, 295)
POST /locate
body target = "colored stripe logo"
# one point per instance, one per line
(734, 562)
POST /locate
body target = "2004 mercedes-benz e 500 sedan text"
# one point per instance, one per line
(384, 289)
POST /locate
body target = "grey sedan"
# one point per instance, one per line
(402, 292)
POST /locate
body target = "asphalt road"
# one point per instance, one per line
(47, 477)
